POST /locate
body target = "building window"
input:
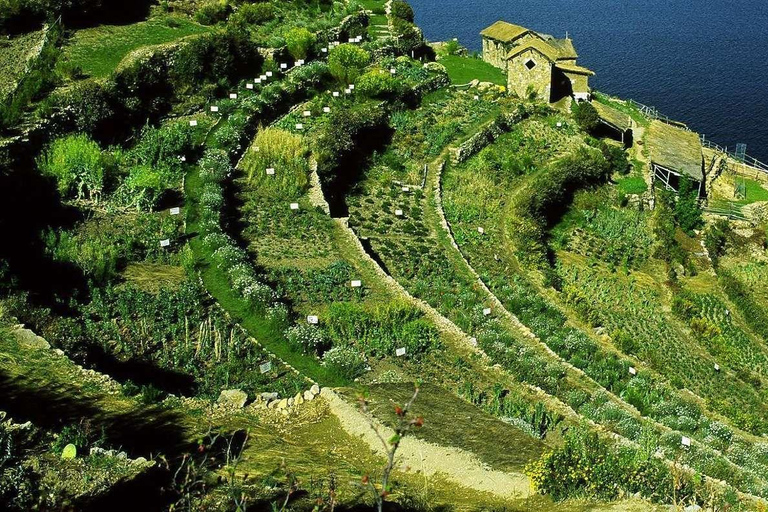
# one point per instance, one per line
(530, 64)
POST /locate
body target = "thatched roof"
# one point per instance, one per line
(676, 149)
(575, 69)
(504, 32)
(564, 47)
(534, 44)
(613, 117)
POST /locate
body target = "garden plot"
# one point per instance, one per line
(471, 201)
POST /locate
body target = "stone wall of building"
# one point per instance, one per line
(521, 80)
(495, 53)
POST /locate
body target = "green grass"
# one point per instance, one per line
(622, 107)
(98, 51)
(463, 70)
(754, 192)
(632, 185)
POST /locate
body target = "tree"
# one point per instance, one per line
(347, 61)
(76, 164)
(586, 116)
(299, 42)
(402, 10)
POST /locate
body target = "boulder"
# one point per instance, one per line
(308, 396)
(30, 340)
(269, 396)
(315, 389)
(298, 399)
(233, 398)
(282, 404)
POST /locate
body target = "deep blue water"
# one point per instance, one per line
(703, 62)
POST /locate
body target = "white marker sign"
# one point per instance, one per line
(258, 80)
(312, 320)
(352, 87)
(399, 213)
(233, 96)
(307, 113)
(263, 78)
(335, 94)
(357, 284)
(269, 74)
(283, 66)
(165, 243)
(473, 342)
(477, 97)
(175, 211)
(686, 441)
(249, 86)
(481, 231)
(486, 311)
(717, 367)
(406, 189)
(299, 126)
(352, 40)
(347, 91)
(294, 206)
(393, 71)
(632, 370)
(214, 109)
(193, 122)
(265, 368)
(270, 172)
(324, 50)
(327, 109)
(400, 352)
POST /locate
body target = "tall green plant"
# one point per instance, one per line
(347, 62)
(76, 164)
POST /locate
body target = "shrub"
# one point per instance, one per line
(253, 14)
(716, 238)
(687, 208)
(378, 83)
(401, 9)
(346, 361)
(76, 164)
(347, 61)
(586, 116)
(300, 42)
(212, 12)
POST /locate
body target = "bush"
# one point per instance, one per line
(253, 14)
(76, 164)
(716, 239)
(346, 361)
(347, 61)
(687, 208)
(308, 338)
(379, 83)
(402, 10)
(300, 42)
(212, 12)
(586, 116)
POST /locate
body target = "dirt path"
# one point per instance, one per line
(458, 466)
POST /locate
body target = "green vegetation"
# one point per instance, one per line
(463, 70)
(97, 51)
(346, 62)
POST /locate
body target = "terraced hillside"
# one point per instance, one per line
(273, 256)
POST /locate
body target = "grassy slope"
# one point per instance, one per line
(463, 70)
(13, 58)
(99, 50)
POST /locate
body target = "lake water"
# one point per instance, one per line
(703, 62)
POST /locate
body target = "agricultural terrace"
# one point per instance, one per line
(14, 56)
(249, 232)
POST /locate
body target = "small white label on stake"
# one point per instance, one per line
(307, 113)
(335, 94)
(400, 352)
(324, 50)
(265, 368)
(352, 87)
(258, 80)
(249, 85)
(399, 213)
(165, 243)
(233, 96)
(351, 39)
(406, 189)
(175, 211)
(294, 206)
(312, 319)
(481, 231)
(301, 62)
(326, 109)
(632, 370)
(685, 441)
(263, 78)
(473, 342)
(299, 126)
(393, 71)
(193, 122)
(214, 109)
(486, 311)
(717, 367)
(283, 66)
(347, 91)
(559, 124)
(357, 284)
(270, 171)
(269, 74)
(477, 97)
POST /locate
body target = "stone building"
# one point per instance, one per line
(675, 153)
(536, 63)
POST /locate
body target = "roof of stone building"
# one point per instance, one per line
(676, 149)
(613, 117)
(574, 68)
(541, 46)
(504, 32)
(564, 47)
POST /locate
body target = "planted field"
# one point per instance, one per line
(97, 51)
